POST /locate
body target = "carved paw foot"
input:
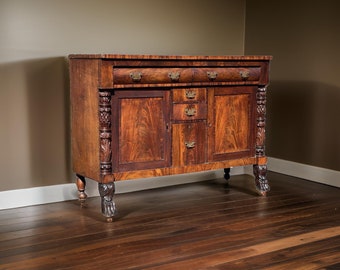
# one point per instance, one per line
(260, 172)
(108, 206)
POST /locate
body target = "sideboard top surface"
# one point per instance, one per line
(172, 57)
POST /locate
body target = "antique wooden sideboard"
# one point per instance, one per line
(137, 116)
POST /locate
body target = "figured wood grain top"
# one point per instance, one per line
(172, 57)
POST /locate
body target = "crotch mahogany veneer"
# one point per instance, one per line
(137, 116)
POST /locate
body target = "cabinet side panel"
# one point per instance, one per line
(84, 117)
(264, 78)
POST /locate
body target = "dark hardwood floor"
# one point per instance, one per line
(205, 225)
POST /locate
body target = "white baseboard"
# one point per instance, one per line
(308, 172)
(57, 193)
(37, 195)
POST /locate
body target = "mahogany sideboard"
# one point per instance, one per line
(137, 116)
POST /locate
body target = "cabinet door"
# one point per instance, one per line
(140, 130)
(188, 143)
(231, 122)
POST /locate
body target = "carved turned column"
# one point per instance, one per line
(105, 133)
(260, 170)
(106, 190)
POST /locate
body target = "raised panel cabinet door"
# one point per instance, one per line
(188, 143)
(231, 123)
(141, 130)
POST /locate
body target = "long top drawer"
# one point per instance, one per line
(184, 75)
(134, 71)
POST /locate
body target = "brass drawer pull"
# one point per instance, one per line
(136, 76)
(174, 76)
(244, 74)
(212, 75)
(190, 144)
(190, 111)
(190, 94)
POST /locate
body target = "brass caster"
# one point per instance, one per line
(109, 219)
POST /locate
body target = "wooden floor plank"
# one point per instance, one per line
(210, 225)
(216, 258)
(319, 253)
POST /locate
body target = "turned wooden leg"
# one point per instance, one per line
(81, 183)
(226, 173)
(106, 192)
(260, 172)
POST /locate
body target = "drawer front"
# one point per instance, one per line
(227, 74)
(167, 75)
(189, 95)
(152, 75)
(188, 143)
(183, 112)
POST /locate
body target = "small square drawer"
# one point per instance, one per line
(189, 95)
(191, 111)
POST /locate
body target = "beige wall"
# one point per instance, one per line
(304, 95)
(37, 35)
